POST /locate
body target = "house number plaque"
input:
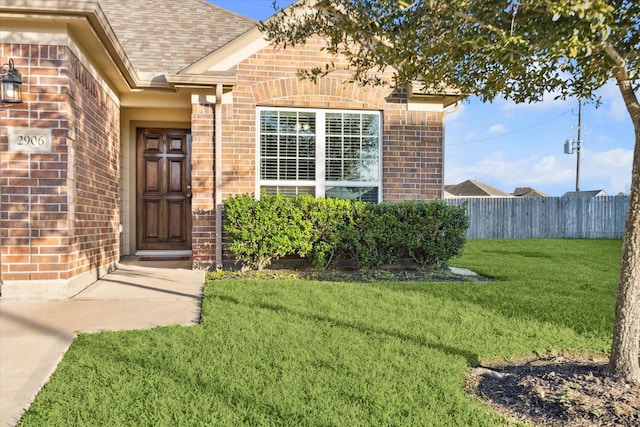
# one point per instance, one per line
(28, 140)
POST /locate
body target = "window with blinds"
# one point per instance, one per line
(327, 153)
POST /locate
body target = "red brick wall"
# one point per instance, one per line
(59, 210)
(94, 157)
(412, 141)
(412, 155)
(202, 179)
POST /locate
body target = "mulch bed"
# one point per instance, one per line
(345, 274)
(559, 392)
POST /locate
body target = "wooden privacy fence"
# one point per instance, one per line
(545, 217)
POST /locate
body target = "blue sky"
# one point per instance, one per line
(508, 145)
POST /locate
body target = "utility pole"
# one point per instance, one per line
(579, 144)
(569, 145)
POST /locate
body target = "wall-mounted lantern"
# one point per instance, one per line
(11, 91)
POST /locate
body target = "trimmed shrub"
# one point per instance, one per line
(431, 232)
(361, 231)
(370, 239)
(261, 231)
(323, 231)
(330, 218)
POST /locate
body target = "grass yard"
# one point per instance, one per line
(296, 352)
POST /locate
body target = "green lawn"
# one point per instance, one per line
(296, 352)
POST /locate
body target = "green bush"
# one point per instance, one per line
(370, 240)
(323, 231)
(431, 233)
(361, 231)
(330, 218)
(261, 231)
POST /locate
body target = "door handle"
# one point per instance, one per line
(188, 194)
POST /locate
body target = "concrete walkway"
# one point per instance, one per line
(35, 334)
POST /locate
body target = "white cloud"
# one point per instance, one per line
(612, 102)
(618, 110)
(497, 129)
(554, 174)
(610, 170)
(551, 170)
(496, 170)
(603, 162)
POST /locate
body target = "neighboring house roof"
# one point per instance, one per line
(164, 37)
(471, 188)
(528, 192)
(592, 193)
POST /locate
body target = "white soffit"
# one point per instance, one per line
(227, 98)
(435, 107)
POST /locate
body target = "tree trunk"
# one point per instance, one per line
(625, 349)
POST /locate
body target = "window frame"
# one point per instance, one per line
(320, 183)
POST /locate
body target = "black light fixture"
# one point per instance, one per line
(11, 83)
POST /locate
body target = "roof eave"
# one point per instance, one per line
(445, 94)
(239, 49)
(92, 13)
(200, 80)
(228, 56)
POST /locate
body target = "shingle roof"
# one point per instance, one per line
(591, 193)
(164, 37)
(472, 188)
(528, 192)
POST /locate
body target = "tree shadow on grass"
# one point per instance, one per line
(471, 359)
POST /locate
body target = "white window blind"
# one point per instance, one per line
(328, 153)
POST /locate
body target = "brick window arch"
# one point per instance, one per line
(325, 93)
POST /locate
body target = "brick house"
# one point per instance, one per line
(148, 114)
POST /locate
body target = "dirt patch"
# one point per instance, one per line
(558, 392)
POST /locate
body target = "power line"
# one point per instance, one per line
(513, 131)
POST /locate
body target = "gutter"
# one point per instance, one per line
(453, 109)
(218, 174)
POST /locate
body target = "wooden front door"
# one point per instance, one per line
(164, 189)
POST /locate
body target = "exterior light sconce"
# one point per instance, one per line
(11, 89)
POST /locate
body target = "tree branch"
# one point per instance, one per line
(621, 75)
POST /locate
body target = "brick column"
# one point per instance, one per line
(202, 181)
(59, 209)
(34, 197)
